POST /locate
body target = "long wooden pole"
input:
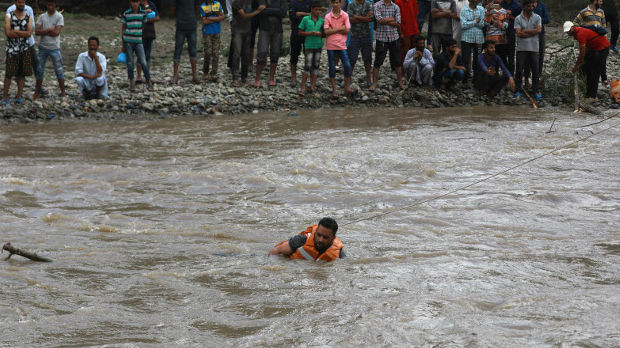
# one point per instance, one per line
(576, 86)
(32, 256)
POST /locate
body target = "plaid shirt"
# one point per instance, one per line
(387, 33)
(472, 30)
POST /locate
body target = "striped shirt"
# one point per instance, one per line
(387, 33)
(134, 22)
(590, 17)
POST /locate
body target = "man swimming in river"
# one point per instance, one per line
(316, 243)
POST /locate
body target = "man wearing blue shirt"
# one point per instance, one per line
(493, 74)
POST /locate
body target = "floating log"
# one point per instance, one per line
(32, 256)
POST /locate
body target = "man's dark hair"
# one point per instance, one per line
(315, 4)
(94, 38)
(527, 2)
(50, 1)
(487, 43)
(330, 223)
(450, 42)
(420, 37)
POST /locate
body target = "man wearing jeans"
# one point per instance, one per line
(360, 15)
(133, 21)
(186, 25)
(336, 29)
(49, 26)
(388, 19)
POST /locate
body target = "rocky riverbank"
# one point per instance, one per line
(220, 98)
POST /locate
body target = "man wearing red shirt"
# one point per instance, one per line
(409, 25)
(593, 51)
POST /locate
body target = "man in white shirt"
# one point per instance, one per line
(90, 71)
(419, 63)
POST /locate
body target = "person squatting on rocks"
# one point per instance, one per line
(133, 21)
(18, 26)
(48, 27)
(419, 64)
(449, 67)
(90, 72)
(493, 73)
(317, 243)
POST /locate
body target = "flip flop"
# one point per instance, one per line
(272, 83)
(301, 93)
(4, 102)
(19, 101)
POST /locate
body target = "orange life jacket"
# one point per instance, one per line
(309, 252)
(614, 90)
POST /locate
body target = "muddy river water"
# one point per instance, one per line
(159, 231)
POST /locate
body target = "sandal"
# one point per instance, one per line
(301, 93)
(272, 83)
(257, 84)
(19, 101)
(4, 102)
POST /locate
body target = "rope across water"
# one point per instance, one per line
(427, 200)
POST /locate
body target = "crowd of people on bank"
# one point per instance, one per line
(492, 44)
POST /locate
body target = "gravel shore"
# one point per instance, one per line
(220, 98)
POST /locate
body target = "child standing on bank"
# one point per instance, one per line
(133, 22)
(311, 27)
(212, 15)
(337, 27)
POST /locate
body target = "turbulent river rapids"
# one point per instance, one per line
(159, 231)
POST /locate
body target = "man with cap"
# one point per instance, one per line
(593, 51)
